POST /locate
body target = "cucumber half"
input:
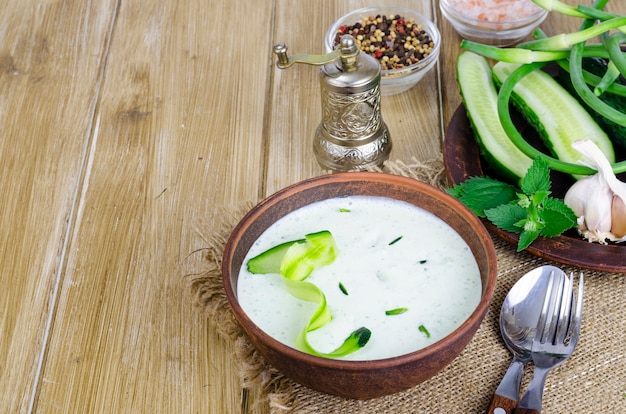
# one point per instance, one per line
(557, 116)
(480, 98)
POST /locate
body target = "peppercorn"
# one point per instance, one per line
(392, 40)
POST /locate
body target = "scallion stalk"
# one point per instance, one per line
(614, 46)
(512, 54)
(559, 7)
(595, 13)
(524, 56)
(593, 51)
(564, 41)
(578, 82)
(609, 78)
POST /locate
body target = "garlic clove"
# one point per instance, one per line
(577, 195)
(618, 217)
(591, 198)
(598, 210)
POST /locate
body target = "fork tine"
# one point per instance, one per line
(577, 311)
(565, 315)
(550, 312)
(543, 316)
(555, 312)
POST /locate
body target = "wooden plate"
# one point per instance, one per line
(462, 160)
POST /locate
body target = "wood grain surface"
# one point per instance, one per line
(124, 125)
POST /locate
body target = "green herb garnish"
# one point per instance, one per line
(396, 240)
(423, 261)
(343, 289)
(344, 210)
(423, 330)
(396, 311)
(530, 212)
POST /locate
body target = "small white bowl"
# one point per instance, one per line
(493, 30)
(394, 81)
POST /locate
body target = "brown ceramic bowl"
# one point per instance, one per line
(360, 379)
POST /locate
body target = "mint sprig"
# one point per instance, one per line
(530, 211)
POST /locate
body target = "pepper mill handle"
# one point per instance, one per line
(347, 52)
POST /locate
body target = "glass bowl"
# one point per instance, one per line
(501, 23)
(398, 80)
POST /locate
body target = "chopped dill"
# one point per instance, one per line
(396, 311)
(396, 240)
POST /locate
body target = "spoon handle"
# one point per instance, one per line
(501, 405)
(526, 411)
(505, 398)
(532, 398)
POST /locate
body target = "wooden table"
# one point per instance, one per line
(124, 124)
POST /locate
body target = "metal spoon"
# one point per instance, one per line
(518, 322)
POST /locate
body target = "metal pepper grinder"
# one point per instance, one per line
(352, 135)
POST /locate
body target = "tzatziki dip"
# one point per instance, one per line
(400, 271)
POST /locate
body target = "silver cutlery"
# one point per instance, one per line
(519, 317)
(556, 337)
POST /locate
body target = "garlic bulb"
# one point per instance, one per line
(598, 200)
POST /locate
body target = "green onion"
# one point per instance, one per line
(396, 240)
(564, 41)
(344, 210)
(594, 13)
(597, 51)
(524, 56)
(396, 311)
(590, 98)
(615, 51)
(423, 330)
(611, 75)
(578, 82)
(343, 289)
(512, 54)
(559, 7)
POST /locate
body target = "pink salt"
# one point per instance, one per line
(495, 10)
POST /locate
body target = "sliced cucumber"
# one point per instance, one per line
(480, 99)
(557, 116)
(269, 261)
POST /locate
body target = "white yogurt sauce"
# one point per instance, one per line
(430, 271)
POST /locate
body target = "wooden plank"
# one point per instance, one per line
(412, 117)
(51, 55)
(179, 133)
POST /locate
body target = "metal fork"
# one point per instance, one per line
(557, 334)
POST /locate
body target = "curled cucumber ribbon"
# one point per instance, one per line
(295, 261)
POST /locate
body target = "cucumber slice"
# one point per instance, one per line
(269, 261)
(319, 249)
(557, 116)
(480, 98)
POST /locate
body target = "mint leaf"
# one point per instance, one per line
(526, 238)
(557, 217)
(539, 196)
(537, 178)
(507, 216)
(530, 213)
(482, 193)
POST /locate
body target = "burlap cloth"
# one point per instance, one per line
(591, 381)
